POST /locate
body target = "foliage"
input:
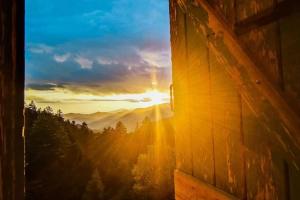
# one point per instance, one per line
(94, 188)
(53, 156)
(120, 128)
(65, 160)
(108, 130)
(153, 173)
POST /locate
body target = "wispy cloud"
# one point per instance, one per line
(43, 86)
(40, 48)
(65, 95)
(84, 62)
(78, 100)
(106, 61)
(156, 58)
(61, 58)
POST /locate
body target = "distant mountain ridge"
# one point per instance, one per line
(98, 120)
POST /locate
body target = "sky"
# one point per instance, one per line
(85, 56)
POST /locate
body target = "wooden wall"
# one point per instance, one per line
(11, 99)
(236, 97)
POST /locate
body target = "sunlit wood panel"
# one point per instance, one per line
(227, 130)
(243, 131)
(180, 80)
(200, 107)
(188, 187)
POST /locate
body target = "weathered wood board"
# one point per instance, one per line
(200, 109)
(188, 187)
(290, 44)
(246, 8)
(243, 128)
(183, 141)
(266, 41)
(11, 99)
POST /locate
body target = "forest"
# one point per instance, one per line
(65, 160)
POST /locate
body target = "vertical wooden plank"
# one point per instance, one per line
(290, 43)
(264, 159)
(258, 162)
(278, 173)
(18, 43)
(11, 99)
(221, 103)
(2, 143)
(180, 80)
(227, 130)
(293, 178)
(200, 108)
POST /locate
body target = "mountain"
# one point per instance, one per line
(97, 121)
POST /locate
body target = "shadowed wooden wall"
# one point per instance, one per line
(11, 99)
(236, 77)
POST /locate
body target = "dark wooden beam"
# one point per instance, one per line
(11, 99)
(269, 15)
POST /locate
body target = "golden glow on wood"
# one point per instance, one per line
(189, 188)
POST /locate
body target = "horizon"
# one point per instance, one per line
(97, 56)
(112, 111)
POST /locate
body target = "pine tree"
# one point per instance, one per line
(120, 128)
(59, 113)
(95, 188)
(84, 125)
(48, 110)
(32, 106)
(108, 130)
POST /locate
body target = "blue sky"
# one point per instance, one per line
(96, 48)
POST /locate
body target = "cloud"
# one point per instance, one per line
(38, 99)
(65, 97)
(156, 58)
(106, 61)
(114, 66)
(43, 86)
(144, 100)
(84, 62)
(40, 48)
(61, 58)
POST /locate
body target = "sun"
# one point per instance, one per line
(155, 97)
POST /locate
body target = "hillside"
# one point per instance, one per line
(97, 166)
(97, 121)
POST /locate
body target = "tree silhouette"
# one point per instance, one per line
(54, 148)
(108, 130)
(32, 106)
(153, 174)
(120, 128)
(95, 188)
(84, 125)
(48, 110)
